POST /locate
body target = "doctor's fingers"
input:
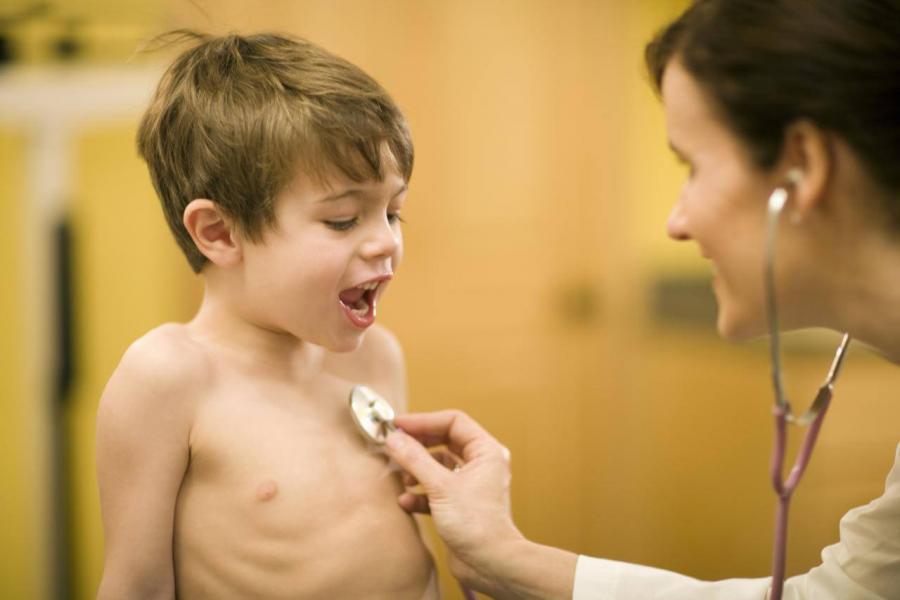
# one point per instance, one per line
(414, 503)
(416, 460)
(453, 428)
(444, 457)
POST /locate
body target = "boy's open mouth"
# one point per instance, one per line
(359, 299)
(359, 302)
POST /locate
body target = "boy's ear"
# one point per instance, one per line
(808, 154)
(213, 233)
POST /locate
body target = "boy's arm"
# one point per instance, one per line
(143, 428)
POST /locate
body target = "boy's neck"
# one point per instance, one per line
(219, 322)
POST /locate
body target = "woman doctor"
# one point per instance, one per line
(759, 95)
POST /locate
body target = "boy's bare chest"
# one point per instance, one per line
(267, 445)
(280, 484)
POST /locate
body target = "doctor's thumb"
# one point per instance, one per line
(415, 459)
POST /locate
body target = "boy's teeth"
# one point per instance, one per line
(368, 286)
(362, 309)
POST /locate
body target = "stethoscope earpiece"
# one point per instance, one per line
(794, 175)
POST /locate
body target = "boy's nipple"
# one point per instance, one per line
(266, 491)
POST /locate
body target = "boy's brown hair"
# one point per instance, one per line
(234, 117)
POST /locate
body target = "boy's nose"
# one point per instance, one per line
(383, 242)
(677, 226)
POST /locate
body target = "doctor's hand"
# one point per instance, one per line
(470, 506)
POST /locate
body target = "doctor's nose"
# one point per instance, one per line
(676, 226)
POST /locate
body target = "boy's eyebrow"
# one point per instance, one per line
(358, 192)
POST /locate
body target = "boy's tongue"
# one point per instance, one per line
(352, 296)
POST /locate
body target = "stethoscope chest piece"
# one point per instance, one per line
(374, 416)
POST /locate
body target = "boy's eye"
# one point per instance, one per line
(341, 225)
(395, 218)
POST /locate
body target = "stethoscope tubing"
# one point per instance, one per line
(784, 489)
(813, 417)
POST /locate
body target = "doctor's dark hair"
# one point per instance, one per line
(768, 63)
(235, 117)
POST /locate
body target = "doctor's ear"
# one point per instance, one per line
(807, 151)
(213, 232)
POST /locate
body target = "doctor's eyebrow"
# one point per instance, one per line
(359, 193)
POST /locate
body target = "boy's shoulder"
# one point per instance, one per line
(162, 366)
(168, 354)
(380, 350)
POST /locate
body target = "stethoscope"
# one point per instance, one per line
(782, 410)
(374, 416)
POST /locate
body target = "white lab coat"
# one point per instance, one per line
(863, 565)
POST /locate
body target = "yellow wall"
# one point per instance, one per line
(20, 543)
(542, 181)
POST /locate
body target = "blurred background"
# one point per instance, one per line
(539, 291)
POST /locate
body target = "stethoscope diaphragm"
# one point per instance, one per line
(373, 415)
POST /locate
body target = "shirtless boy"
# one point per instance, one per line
(228, 462)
